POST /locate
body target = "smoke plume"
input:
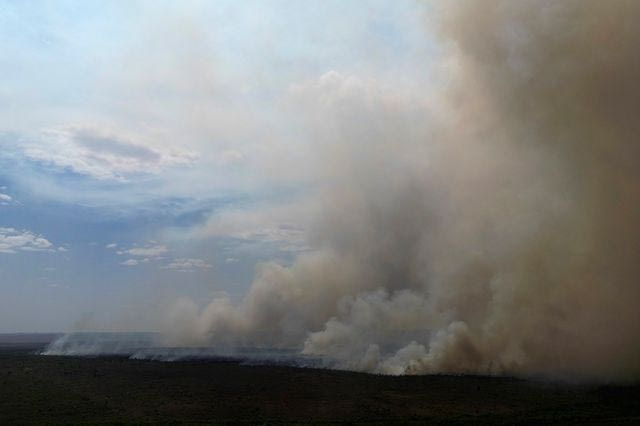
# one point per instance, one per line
(489, 226)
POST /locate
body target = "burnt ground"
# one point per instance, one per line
(45, 389)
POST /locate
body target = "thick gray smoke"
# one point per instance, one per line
(488, 227)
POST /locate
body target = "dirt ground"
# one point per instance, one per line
(37, 389)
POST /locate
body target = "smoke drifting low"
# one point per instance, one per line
(490, 226)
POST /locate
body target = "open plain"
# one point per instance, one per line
(37, 389)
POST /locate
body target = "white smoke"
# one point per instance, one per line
(489, 227)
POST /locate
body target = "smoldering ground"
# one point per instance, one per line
(489, 225)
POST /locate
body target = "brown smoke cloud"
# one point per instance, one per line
(488, 227)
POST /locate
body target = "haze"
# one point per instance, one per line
(401, 187)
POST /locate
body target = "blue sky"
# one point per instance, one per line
(151, 150)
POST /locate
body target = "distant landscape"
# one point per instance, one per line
(60, 389)
(320, 211)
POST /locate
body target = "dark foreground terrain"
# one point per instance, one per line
(46, 389)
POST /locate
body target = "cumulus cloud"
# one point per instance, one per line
(5, 198)
(188, 264)
(129, 262)
(283, 225)
(14, 240)
(153, 251)
(103, 153)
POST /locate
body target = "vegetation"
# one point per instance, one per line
(45, 389)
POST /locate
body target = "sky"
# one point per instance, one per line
(401, 187)
(152, 150)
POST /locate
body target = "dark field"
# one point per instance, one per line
(39, 389)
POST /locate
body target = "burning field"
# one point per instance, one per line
(39, 389)
(446, 232)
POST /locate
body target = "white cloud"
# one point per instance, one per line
(185, 264)
(5, 198)
(111, 246)
(285, 225)
(149, 251)
(13, 240)
(63, 249)
(104, 153)
(129, 262)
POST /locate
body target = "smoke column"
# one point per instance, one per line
(490, 226)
